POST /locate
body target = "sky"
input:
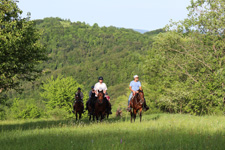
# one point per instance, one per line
(136, 14)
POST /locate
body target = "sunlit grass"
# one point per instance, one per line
(159, 131)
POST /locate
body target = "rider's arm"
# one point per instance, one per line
(105, 88)
(140, 88)
(132, 90)
(96, 89)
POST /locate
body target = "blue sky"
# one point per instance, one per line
(136, 14)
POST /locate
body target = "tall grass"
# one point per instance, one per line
(159, 131)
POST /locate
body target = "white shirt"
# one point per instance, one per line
(100, 87)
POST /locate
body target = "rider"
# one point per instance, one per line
(135, 85)
(102, 86)
(90, 93)
(79, 94)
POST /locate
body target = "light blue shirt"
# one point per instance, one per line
(135, 85)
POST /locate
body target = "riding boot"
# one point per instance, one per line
(128, 108)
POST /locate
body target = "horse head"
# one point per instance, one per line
(140, 96)
(77, 96)
(100, 97)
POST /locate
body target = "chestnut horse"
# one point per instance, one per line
(91, 105)
(100, 106)
(78, 106)
(137, 104)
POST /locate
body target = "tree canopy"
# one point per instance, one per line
(20, 49)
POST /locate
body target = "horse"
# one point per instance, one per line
(137, 104)
(78, 106)
(90, 106)
(100, 106)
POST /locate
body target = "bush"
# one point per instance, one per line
(22, 110)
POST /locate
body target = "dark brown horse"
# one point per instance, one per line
(90, 105)
(78, 106)
(100, 106)
(137, 104)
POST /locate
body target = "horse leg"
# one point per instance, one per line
(97, 117)
(80, 115)
(76, 116)
(134, 115)
(101, 117)
(140, 114)
(131, 115)
(90, 118)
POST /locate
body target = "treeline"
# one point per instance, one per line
(181, 67)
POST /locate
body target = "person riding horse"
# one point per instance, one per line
(100, 86)
(79, 94)
(135, 85)
(91, 93)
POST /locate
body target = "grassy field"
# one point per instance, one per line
(157, 131)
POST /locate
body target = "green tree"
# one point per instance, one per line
(191, 54)
(20, 49)
(59, 93)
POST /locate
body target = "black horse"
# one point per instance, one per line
(91, 106)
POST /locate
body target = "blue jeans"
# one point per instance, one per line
(131, 94)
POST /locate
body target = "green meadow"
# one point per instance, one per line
(156, 131)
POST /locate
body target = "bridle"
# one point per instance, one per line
(141, 100)
(99, 100)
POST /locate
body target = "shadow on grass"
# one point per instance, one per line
(41, 124)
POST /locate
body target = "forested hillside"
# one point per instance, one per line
(85, 52)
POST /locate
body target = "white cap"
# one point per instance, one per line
(136, 76)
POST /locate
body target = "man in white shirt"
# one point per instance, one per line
(100, 86)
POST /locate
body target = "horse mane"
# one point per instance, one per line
(140, 91)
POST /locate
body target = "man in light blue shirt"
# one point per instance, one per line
(135, 85)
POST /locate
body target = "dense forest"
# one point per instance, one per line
(181, 67)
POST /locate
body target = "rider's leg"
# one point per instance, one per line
(92, 107)
(130, 96)
(87, 103)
